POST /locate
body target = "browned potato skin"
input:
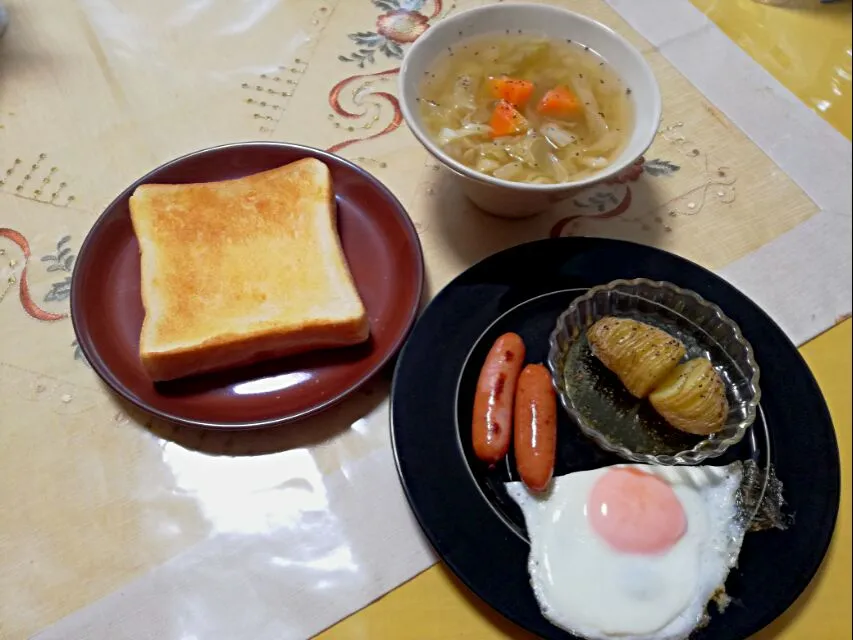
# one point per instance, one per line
(639, 354)
(693, 398)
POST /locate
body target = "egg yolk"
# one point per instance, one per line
(635, 512)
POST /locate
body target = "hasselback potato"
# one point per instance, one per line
(692, 398)
(639, 354)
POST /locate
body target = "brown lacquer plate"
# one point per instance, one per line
(383, 252)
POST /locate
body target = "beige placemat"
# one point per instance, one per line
(145, 530)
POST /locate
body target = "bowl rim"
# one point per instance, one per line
(687, 457)
(459, 168)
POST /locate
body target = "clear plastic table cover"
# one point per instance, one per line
(112, 525)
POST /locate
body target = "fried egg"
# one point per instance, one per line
(632, 552)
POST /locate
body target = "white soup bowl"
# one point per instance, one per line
(517, 199)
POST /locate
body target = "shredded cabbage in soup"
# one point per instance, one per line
(526, 108)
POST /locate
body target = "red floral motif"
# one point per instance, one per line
(27, 302)
(618, 210)
(615, 197)
(402, 26)
(402, 23)
(338, 108)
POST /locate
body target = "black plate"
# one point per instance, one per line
(463, 508)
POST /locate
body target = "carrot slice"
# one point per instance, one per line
(506, 120)
(560, 102)
(516, 92)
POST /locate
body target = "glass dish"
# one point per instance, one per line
(619, 422)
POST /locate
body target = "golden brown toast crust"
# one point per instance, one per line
(239, 271)
(236, 351)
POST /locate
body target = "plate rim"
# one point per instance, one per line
(86, 343)
(450, 561)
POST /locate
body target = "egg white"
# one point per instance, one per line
(592, 590)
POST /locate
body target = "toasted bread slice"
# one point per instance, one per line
(240, 271)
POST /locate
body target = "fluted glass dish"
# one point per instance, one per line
(622, 424)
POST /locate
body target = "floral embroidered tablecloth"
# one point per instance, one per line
(113, 525)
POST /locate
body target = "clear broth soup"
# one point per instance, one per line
(526, 108)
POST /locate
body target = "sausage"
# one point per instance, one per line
(492, 422)
(535, 427)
